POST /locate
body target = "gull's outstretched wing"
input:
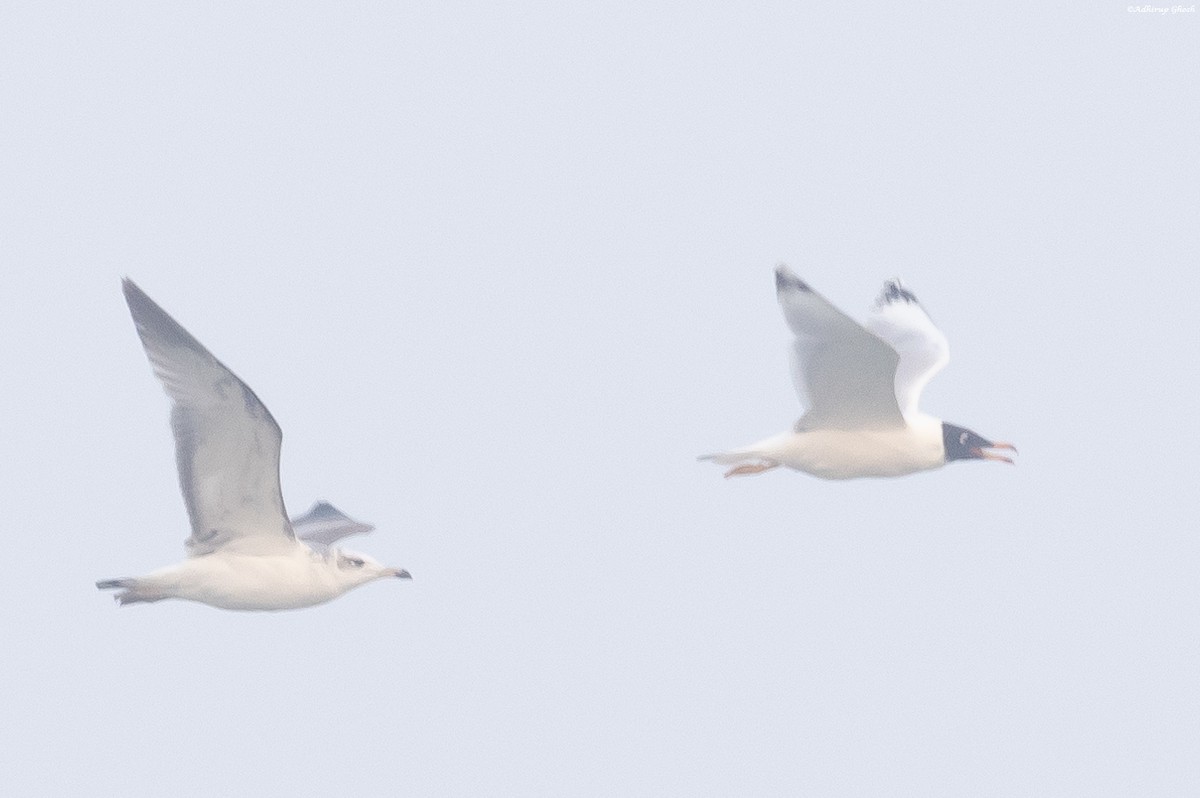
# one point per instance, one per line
(324, 525)
(226, 442)
(843, 374)
(899, 319)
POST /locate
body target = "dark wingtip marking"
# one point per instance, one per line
(785, 279)
(894, 291)
(323, 509)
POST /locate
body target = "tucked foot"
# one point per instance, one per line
(750, 468)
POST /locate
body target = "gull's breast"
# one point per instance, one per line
(254, 582)
(846, 454)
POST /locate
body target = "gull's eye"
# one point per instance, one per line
(357, 563)
(962, 439)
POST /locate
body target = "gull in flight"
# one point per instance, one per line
(861, 386)
(244, 553)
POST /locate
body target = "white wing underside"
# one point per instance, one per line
(901, 321)
(852, 377)
(843, 374)
(226, 442)
(324, 525)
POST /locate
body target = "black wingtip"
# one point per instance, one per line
(784, 280)
(894, 291)
(324, 511)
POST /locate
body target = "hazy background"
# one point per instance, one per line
(501, 274)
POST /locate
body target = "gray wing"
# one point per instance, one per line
(844, 374)
(899, 319)
(324, 525)
(226, 442)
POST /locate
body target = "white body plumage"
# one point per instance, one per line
(860, 386)
(244, 553)
(234, 581)
(846, 454)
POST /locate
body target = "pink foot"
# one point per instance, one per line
(750, 468)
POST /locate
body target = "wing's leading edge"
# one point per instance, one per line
(899, 319)
(844, 374)
(226, 442)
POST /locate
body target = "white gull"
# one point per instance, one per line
(244, 553)
(861, 386)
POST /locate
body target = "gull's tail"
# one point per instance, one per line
(131, 591)
(727, 458)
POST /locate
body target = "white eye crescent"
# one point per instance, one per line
(357, 563)
(962, 439)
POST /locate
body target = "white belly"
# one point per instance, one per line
(846, 454)
(837, 454)
(244, 582)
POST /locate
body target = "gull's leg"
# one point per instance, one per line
(751, 468)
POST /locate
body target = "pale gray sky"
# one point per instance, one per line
(501, 274)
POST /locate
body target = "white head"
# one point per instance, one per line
(354, 569)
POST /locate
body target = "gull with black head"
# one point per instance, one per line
(244, 553)
(861, 386)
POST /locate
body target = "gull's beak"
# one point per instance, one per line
(399, 573)
(982, 455)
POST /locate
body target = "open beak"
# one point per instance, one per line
(982, 455)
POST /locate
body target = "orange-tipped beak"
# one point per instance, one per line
(982, 455)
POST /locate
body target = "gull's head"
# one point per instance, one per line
(358, 569)
(963, 444)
